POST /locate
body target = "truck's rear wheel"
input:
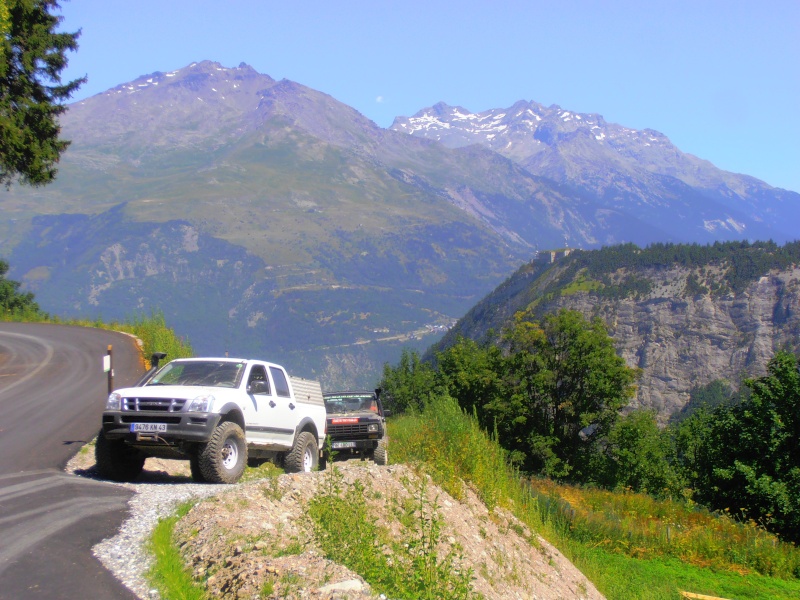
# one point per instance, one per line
(223, 457)
(304, 455)
(381, 454)
(116, 460)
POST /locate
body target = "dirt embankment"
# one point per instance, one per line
(255, 540)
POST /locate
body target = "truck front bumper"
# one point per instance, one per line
(180, 427)
(343, 445)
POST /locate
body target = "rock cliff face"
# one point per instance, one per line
(681, 341)
(684, 315)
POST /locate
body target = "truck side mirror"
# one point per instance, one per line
(257, 387)
(156, 358)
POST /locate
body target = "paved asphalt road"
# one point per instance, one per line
(52, 393)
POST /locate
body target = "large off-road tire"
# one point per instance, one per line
(116, 460)
(194, 467)
(304, 455)
(223, 457)
(381, 453)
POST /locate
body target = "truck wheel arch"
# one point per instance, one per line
(307, 424)
(231, 412)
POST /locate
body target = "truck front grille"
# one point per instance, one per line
(351, 429)
(153, 404)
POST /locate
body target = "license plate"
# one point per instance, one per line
(343, 444)
(148, 427)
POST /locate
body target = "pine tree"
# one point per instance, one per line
(32, 56)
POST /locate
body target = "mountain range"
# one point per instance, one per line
(640, 173)
(266, 218)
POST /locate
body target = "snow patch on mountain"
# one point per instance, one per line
(728, 224)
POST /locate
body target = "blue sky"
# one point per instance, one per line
(720, 78)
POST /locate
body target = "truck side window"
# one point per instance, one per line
(259, 373)
(281, 385)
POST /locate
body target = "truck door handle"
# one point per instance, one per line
(271, 404)
(291, 405)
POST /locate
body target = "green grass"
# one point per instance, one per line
(581, 284)
(25, 314)
(408, 568)
(156, 336)
(619, 540)
(169, 574)
(264, 471)
(623, 577)
(454, 448)
(643, 527)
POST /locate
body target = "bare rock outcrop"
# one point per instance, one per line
(680, 340)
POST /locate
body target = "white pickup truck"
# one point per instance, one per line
(215, 412)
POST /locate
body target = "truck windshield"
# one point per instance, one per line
(338, 404)
(212, 373)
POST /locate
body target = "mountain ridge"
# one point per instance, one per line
(610, 161)
(355, 239)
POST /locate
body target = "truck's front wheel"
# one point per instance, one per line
(223, 457)
(304, 455)
(381, 454)
(116, 460)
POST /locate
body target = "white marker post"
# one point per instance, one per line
(108, 367)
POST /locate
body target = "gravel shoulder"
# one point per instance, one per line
(254, 540)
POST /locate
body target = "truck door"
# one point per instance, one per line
(288, 413)
(264, 421)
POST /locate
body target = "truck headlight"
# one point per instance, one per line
(114, 401)
(372, 427)
(202, 403)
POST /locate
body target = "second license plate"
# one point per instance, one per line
(343, 444)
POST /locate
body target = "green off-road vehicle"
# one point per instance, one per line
(357, 425)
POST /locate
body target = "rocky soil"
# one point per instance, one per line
(255, 540)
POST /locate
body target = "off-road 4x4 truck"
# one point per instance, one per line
(215, 412)
(357, 425)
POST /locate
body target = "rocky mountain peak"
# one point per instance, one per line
(203, 76)
(637, 170)
(499, 128)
